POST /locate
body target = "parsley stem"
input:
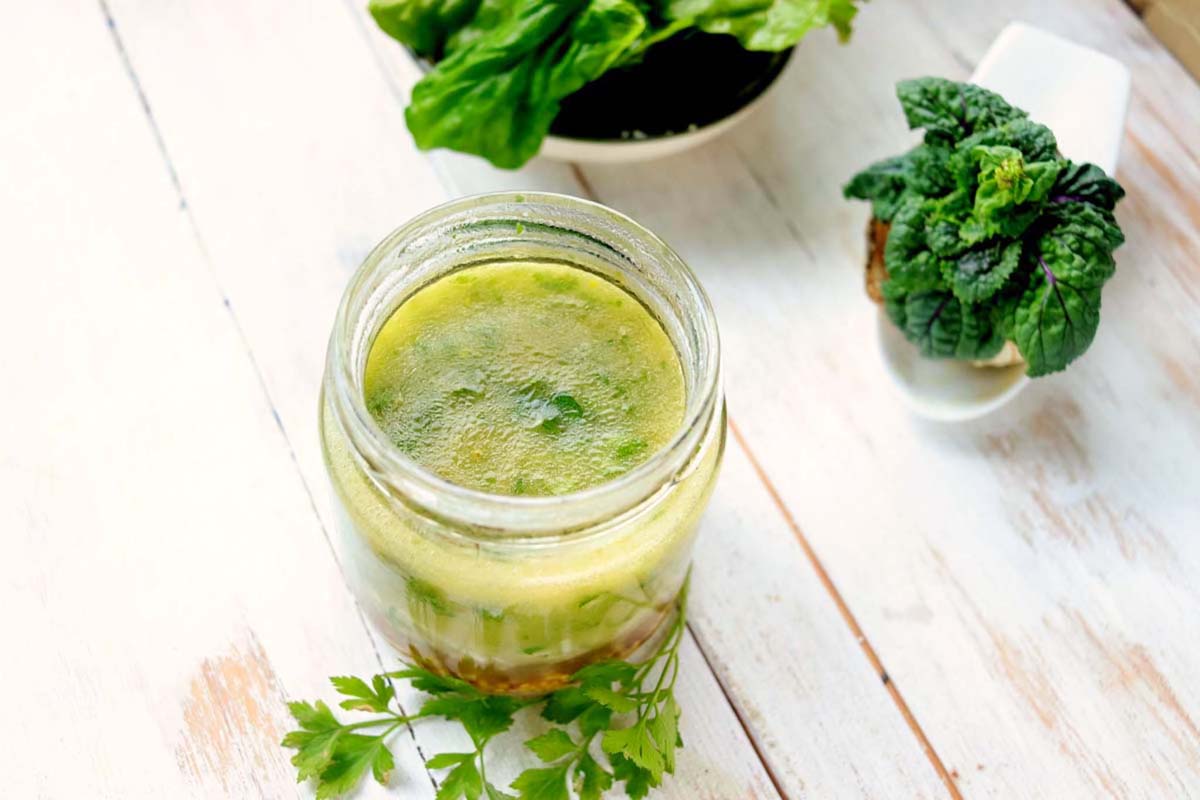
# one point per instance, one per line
(396, 719)
(482, 761)
(399, 721)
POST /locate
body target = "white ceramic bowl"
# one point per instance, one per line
(643, 147)
(1082, 96)
(622, 151)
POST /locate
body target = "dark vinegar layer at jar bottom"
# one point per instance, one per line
(540, 678)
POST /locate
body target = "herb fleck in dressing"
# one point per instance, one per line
(525, 378)
(522, 378)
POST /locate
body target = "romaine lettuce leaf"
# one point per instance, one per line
(497, 94)
(423, 25)
(502, 67)
(763, 24)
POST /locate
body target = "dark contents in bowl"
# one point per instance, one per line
(686, 82)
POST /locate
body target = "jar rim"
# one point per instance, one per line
(489, 515)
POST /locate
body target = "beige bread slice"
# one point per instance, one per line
(876, 274)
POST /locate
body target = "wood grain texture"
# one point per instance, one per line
(1025, 585)
(158, 540)
(1024, 579)
(1177, 24)
(317, 156)
(972, 555)
(760, 612)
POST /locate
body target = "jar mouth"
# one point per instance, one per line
(521, 226)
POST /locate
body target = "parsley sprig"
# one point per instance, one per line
(615, 722)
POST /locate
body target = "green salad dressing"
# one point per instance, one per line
(525, 378)
(521, 378)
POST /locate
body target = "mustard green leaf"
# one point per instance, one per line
(496, 95)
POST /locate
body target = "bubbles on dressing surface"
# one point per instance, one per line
(525, 378)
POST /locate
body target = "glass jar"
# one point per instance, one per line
(514, 594)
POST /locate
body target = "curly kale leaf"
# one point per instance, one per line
(1059, 312)
(924, 170)
(1087, 183)
(982, 271)
(994, 236)
(1009, 194)
(931, 170)
(941, 325)
(951, 111)
(911, 265)
(423, 25)
(883, 183)
(1036, 143)
(1055, 321)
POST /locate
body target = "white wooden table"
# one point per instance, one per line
(884, 608)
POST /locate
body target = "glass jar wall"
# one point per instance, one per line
(515, 593)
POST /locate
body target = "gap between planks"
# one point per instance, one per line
(144, 101)
(823, 575)
(589, 192)
(827, 582)
(177, 183)
(847, 615)
(737, 714)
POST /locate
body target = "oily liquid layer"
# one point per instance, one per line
(525, 378)
(520, 377)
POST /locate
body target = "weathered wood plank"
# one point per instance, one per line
(1026, 578)
(298, 123)
(764, 619)
(1039, 629)
(1027, 586)
(165, 583)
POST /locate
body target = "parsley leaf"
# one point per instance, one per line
(623, 710)
(638, 781)
(548, 783)
(353, 756)
(591, 779)
(375, 697)
(445, 760)
(331, 752)
(552, 745)
(611, 699)
(462, 781)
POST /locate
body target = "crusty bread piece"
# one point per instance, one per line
(876, 274)
(877, 233)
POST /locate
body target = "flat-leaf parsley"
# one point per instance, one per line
(616, 722)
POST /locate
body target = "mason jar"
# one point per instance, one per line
(516, 593)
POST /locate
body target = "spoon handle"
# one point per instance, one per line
(1080, 94)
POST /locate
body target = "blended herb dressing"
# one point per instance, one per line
(531, 381)
(525, 378)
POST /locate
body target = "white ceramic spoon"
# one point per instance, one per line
(1082, 96)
